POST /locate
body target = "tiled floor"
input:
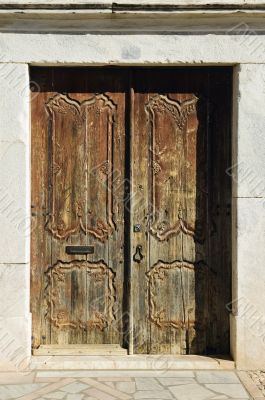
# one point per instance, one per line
(125, 385)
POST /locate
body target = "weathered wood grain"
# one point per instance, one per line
(78, 136)
(181, 150)
(114, 148)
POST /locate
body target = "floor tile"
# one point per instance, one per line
(191, 392)
(98, 394)
(126, 387)
(75, 396)
(147, 384)
(90, 398)
(75, 387)
(175, 381)
(46, 389)
(55, 395)
(10, 392)
(235, 391)
(217, 377)
(106, 389)
(110, 384)
(152, 394)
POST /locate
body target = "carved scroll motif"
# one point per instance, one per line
(159, 275)
(57, 294)
(81, 140)
(173, 134)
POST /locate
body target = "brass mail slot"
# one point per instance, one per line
(79, 249)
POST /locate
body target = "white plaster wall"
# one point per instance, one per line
(19, 50)
(15, 320)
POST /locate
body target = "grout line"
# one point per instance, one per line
(105, 388)
(47, 389)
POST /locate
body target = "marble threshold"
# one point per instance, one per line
(131, 362)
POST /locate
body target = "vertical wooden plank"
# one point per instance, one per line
(129, 207)
(140, 216)
(67, 180)
(40, 243)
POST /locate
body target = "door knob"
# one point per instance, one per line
(138, 254)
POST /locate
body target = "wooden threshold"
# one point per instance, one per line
(80, 350)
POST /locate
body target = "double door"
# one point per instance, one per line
(131, 208)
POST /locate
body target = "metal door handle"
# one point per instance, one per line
(138, 254)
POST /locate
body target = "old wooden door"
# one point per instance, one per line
(78, 148)
(130, 164)
(181, 211)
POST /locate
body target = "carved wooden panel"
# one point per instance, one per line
(166, 314)
(60, 301)
(160, 314)
(173, 139)
(78, 127)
